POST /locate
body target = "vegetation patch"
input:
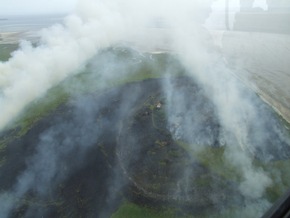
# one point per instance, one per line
(131, 210)
(6, 51)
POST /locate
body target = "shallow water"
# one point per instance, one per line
(27, 23)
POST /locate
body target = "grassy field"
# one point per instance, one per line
(213, 159)
(6, 50)
(131, 210)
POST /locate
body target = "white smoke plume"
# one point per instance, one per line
(234, 106)
(64, 50)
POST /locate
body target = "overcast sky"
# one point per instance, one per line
(31, 7)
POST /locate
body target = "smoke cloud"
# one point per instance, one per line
(238, 122)
(63, 50)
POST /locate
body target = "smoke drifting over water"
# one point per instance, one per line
(232, 118)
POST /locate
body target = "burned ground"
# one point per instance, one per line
(93, 152)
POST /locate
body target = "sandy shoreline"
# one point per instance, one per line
(264, 65)
(15, 37)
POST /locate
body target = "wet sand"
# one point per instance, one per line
(262, 61)
(15, 37)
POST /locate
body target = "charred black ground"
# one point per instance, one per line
(105, 148)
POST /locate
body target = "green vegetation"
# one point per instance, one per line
(213, 159)
(83, 83)
(3, 144)
(280, 175)
(2, 161)
(131, 210)
(87, 82)
(39, 109)
(6, 50)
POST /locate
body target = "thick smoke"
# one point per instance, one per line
(65, 50)
(244, 124)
